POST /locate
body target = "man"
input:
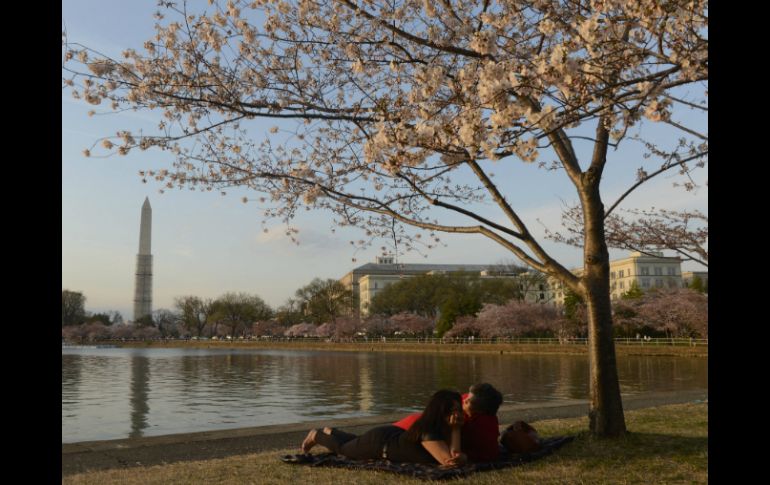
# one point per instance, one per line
(480, 428)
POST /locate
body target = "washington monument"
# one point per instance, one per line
(143, 278)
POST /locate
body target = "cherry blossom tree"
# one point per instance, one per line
(412, 324)
(347, 326)
(404, 109)
(679, 312)
(684, 232)
(301, 330)
(465, 326)
(519, 319)
(271, 328)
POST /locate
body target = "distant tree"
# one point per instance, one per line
(697, 284)
(74, 333)
(290, 313)
(679, 312)
(301, 330)
(144, 321)
(325, 330)
(73, 308)
(96, 330)
(115, 317)
(498, 290)
(324, 300)
(103, 318)
(237, 311)
(633, 293)
(664, 312)
(519, 319)
(194, 313)
(146, 332)
(377, 325)
(271, 328)
(418, 294)
(626, 321)
(443, 297)
(166, 321)
(411, 324)
(576, 313)
(347, 326)
(120, 332)
(465, 326)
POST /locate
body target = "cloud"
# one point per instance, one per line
(309, 240)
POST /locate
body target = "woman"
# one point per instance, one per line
(435, 437)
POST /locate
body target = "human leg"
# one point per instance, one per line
(331, 438)
(370, 444)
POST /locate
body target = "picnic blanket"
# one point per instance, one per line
(428, 471)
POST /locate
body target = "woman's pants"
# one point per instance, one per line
(367, 446)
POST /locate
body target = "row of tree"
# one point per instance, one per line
(231, 314)
(73, 311)
(677, 312)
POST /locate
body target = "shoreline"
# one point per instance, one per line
(378, 346)
(155, 450)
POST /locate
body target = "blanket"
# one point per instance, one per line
(428, 471)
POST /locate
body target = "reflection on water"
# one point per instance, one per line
(119, 393)
(140, 380)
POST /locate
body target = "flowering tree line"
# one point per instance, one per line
(670, 312)
(405, 108)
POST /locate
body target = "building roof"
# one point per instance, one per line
(421, 268)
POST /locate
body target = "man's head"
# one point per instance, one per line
(482, 399)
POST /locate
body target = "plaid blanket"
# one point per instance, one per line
(425, 471)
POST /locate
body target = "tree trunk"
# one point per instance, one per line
(606, 408)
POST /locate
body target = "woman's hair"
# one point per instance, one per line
(434, 417)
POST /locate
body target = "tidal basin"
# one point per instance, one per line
(113, 393)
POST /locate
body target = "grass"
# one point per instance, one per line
(649, 350)
(667, 444)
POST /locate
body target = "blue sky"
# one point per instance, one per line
(206, 244)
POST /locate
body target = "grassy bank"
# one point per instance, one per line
(660, 350)
(667, 444)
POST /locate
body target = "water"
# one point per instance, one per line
(119, 393)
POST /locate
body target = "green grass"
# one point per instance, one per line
(667, 444)
(395, 346)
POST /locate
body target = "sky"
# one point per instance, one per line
(205, 244)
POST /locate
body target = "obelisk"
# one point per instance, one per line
(143, 278)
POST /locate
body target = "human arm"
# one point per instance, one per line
(442, 453)
(455, 422)
(450, 455)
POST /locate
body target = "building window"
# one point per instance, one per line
(620, 274)
(612, 275)
(614, 285)
(542, 296)
(672, 271)
(645, 271)
(621, 285)
(659, 283)
(645, 282)
(658, 271)
(375, 285)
